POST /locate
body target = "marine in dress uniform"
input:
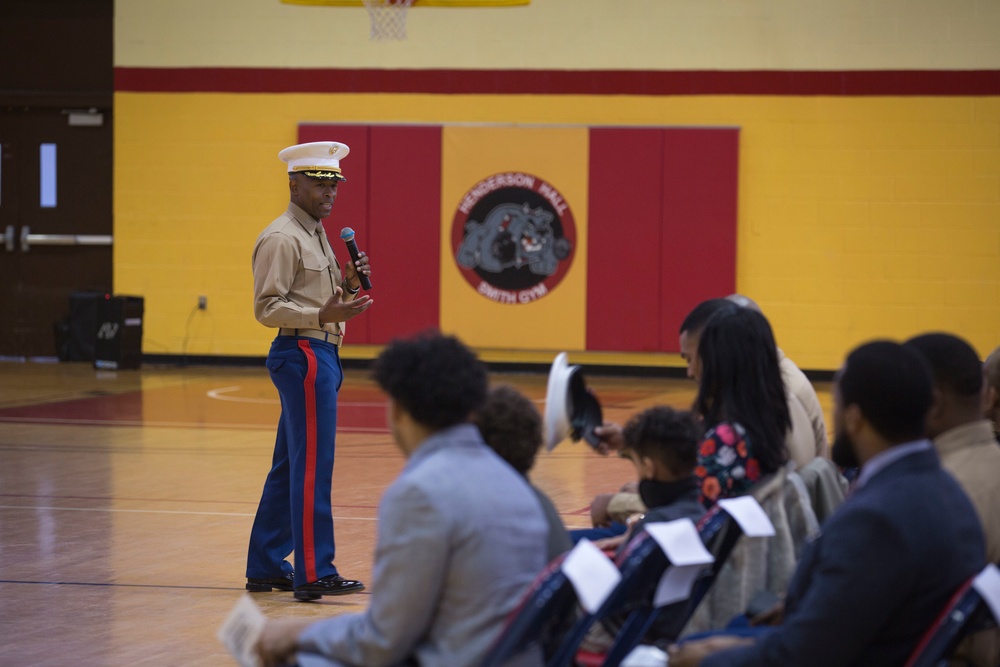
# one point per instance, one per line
(300, 289)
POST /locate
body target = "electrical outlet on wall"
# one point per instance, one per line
(202, 302)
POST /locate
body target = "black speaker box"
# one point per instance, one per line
(119, 332)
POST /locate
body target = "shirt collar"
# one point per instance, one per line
(311, 224)
(967, 435)
(883, 460)
(459, 435)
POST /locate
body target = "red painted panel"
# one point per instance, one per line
(623, 255)
(699, 192)
(558, 82)
(351, 208)
(404, 237)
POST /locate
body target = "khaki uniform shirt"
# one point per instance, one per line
(972, 456)
(294, 273)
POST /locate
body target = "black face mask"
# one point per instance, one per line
(655, 493)
(842, 453)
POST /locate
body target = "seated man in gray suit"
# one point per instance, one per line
(460, 532)
(891, 556)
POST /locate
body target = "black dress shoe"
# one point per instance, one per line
(333, 584)
(282, 583)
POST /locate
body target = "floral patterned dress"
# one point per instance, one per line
(726, 465)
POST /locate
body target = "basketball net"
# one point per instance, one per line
(388, 18)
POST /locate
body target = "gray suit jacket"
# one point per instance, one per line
(460, 537)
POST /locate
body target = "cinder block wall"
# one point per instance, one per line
(865, 210)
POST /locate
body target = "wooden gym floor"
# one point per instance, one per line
(126, 500)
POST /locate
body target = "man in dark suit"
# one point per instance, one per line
(891, 556)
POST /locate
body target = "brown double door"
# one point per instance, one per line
(56, 220)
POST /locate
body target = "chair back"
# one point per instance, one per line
(642, 564)
(965, 613)
(539, 623)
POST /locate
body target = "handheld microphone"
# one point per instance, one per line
(347, 234)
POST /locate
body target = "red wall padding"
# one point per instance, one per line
(623, 243)
(700, 177)
(662, 231)
(404, 207)
(392, 200)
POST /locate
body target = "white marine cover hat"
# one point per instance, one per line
(316, 159)
(571, 409)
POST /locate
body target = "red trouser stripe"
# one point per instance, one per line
(309, 483)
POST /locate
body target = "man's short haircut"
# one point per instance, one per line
(435, 378)
(666, 435)
(954, 363)
(699, 316)
(893, 387)
(511, 425)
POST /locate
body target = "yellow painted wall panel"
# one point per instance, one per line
(822, 228)
(560, 156)
(942, 187)
(890, 109)
(846, 215)
(986, 109)
(960, 215)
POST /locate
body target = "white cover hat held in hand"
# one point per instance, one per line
(571, 409)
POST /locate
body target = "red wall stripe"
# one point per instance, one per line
(558, 82)
(309, 483)
(700, 190)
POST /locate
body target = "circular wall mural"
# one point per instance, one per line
(513, 237)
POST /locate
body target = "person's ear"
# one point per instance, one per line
(647, 467)
(854, 420)
(937, 408)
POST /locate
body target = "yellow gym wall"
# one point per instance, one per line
(859, 217)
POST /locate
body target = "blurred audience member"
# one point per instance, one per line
(799, 389)
(962, 436)
(964, 441)
(741, 401)
(511, 425)
(663, 445)
(991, 400)
(743, 404)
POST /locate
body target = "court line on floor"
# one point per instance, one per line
(198, 513)
(220, 395)
(128, 511)
(56, 421)
(120, 499)
(116, 585)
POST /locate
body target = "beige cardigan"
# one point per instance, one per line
(760, 563)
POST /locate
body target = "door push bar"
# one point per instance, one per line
(28, 239)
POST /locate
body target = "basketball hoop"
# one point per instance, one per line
(388, 18)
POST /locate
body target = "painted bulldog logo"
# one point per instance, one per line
(513, 237)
